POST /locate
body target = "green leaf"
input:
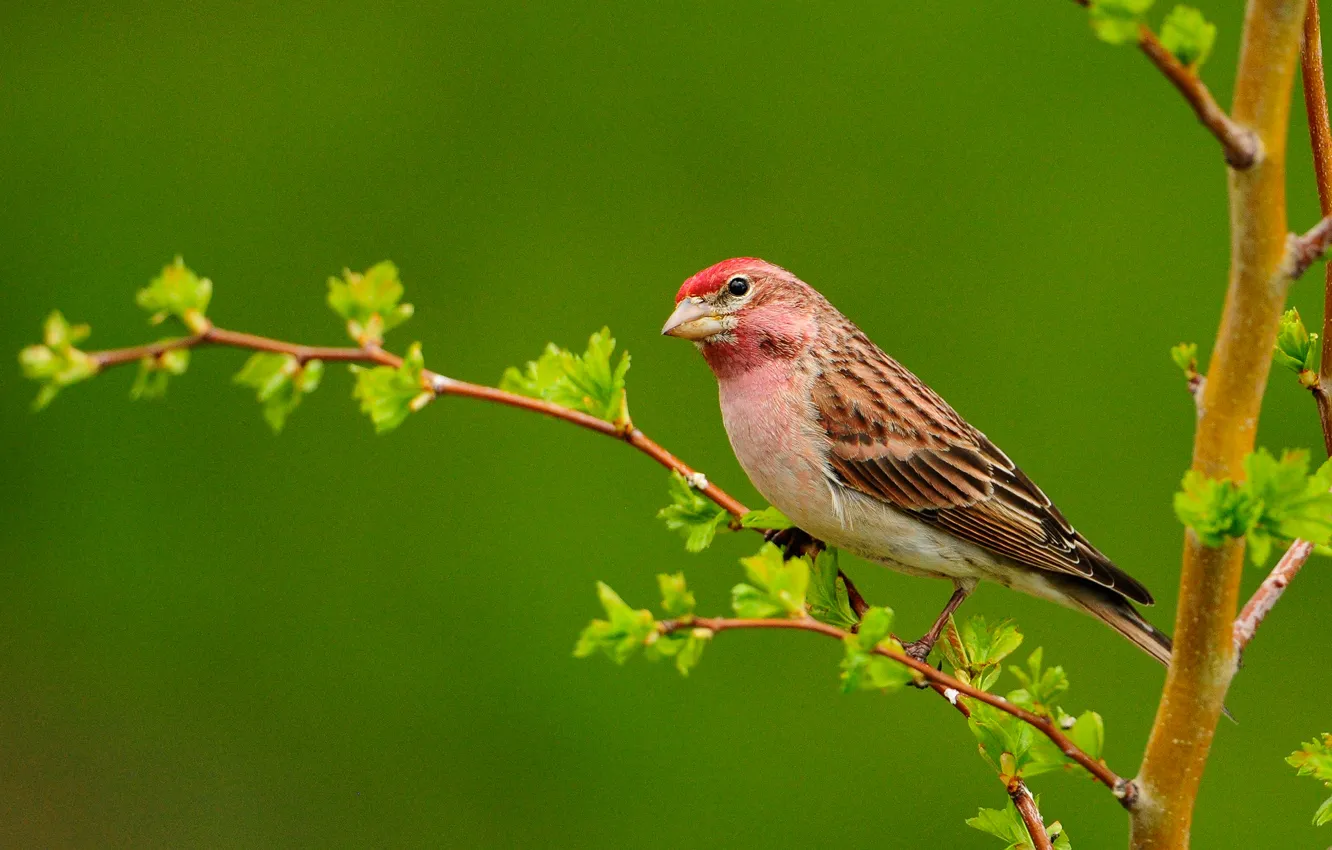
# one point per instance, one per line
(538, 376)
(1089, 734)
(387, 395)
(1006, 824)
(999, 733)
(1314, 759)
(369, 302)
(1214, 509)
(976, 650)
(1185, 356)
(692, 514)
(178, 292)
(279, 382)
(1297, 349)
(1117, 21)
(1285, 501)
(685, 646)
(768, 519)
(828, 600)
(1324, 813)
(777, 587)
(676, 599)
(1041, 686)
(621, 634)
(1188, 36)
(154, 372)
(57, 363)
(864, 669)
(589, 383)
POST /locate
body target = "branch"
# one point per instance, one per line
(1031, 816)
(1267, 594)
(1205, 658)
(430, 381)
(1305, 250)
(1241, 146)
(940, 681)
(1320, 140)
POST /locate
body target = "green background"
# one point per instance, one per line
(213, 637)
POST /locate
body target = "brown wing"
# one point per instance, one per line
(894, 439)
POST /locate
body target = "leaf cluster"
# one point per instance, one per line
(827, 599)
(369, 301)
(57, 362)
(1184, 32)
(1315, 759)
(178, 292)
(863, 668)
(388, 395)
(155, 372)
(1007, 825)
(1278, 500)
(1297, 349)
(280, 381)
(776, 587)
(696, 517)
(589, 382)
(976, 652)
(625, 630)
(1185, 356)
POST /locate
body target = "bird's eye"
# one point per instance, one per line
(738, 285)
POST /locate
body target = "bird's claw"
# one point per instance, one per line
(793, 542)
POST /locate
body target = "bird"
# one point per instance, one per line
(859, 453)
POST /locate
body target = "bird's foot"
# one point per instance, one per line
(794, 542)
(919, 649)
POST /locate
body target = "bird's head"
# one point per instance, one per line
(743, 313)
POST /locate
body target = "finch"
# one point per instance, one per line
(860, 454)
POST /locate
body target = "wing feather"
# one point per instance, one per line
(894, 439)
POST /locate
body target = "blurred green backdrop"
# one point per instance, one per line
(214, 637)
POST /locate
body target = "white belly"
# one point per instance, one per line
(786, 464)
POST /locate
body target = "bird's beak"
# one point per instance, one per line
(693, 319)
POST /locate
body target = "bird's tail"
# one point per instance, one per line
(1119, 614)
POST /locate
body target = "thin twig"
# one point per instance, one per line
(1241, 146)
(431, 381)
(1031, 816)
(1123, 790)
(1267, 594)
(1306, 249)
(1320, 140)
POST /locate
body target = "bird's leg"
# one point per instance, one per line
(794, 542)
(920, 649)
(858, 603)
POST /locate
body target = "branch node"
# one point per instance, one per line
(1126, 792)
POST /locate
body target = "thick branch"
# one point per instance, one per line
(431, 381)
(1031, 816)
(1267, 594)
(1123, 790)
(1204, 654)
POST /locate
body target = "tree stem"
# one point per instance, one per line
(1204, 656)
